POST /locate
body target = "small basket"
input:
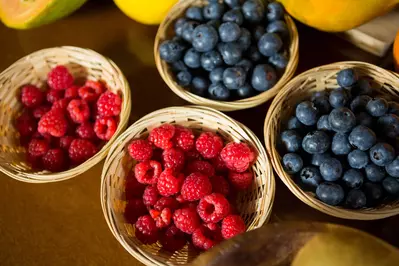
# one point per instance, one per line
(254, 205)
(300, 88)
(33, 69)
(166, 31)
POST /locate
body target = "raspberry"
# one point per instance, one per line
(79, 111)
(81, 150)
(59, 78)
(96, 85)
(193, 155)
(60, 104)
(237, 156)
(203, 238)
(133, 189)
(162, 218)
(232, 225)
(35, 162)
(166, 202)
(196, 186)
(140, 150)
(32, 96)
(241, 181)
(109, 104)
(88, 94)
(26, 124)
(55, 160)
(168, 183)
(85, 131)
(54, 95)
(40, 111)
(213, 208)
(209, 145)
(146, 230)
(65, 142)
(219, 164)
(187, 220)
(134, 209)
(180, 199)
(162, 136)
(53, 123)
(184, 138)
(150, 196)
(220, 185)
(38, 147)
(71, 93)
(203, 167)
(148, 172)
(105, 128)
(173, 239)
(173, 158)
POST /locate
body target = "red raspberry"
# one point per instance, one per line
(193, 155)
(34, 162)
(162, 136)
(196, 186)
(148, 172)
(59, 78)
(220, 185)
(146, 230)
(61, 104)
(55, 160)
(134, 209)
(26, 124)
(162, 218)
(219, 164)
(86, 131)
(173, 239)
(203, 238)
(173, 158)
(109, 104)
(133, 189)
(40, 111)
(38, 147)
(184, 138)
(213, 208)
(79, 111)
(180, 199)
(169, 183)
(65, 142)
(150, 196)
(54, 95)
(187, 220)
(105, 128)
(32, 96)
(203, 167)
(81, 150)
(166, 202)
(53, 123)
(232, 225)
(209, 145)
(96, 85)
(88, 94)
(238, 156)
(71, 93)
(140, 150)
(241, 181)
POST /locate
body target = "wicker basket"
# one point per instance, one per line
(300, 88)
(166, 31)
(33, 69)
(254, 206)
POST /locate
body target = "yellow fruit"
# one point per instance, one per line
(150, 12)
(336, 15)
(396, 52)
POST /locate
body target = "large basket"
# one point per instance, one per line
(300, 88)
(254, 205)
(33, 69)
(166, 31)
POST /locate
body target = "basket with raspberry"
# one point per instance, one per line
(185, 175)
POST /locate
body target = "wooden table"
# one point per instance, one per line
(62, 223)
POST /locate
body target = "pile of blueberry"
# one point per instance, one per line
(228, 50)
(343, 144)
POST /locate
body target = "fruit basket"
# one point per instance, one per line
(166, 32)
(254, 204)
(383, 83)
(33, 69)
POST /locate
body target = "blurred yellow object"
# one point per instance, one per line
(150, 12)
(396, 52)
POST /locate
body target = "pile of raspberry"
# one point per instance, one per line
(66, 124)
(183, 187)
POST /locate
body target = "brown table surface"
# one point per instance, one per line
(62, 223)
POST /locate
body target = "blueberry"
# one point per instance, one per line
(179, 26)
(280, 61)
(323, 123)
(245, 64)
(233, 3)
(275, 11)
(342, 120)
(388, 125)
(231, 53)
(171, 51)
(218, 91)
(393, 108)
(382, 154)
(319, 158)
(188, 29)
(374, 173)
(340, 144)
(204, 38)
(377, 107)
(356, 199)
(330, 193)
(294, 123)
(291, 140)
(292, 163)
(331, 169)
(393, 168)
(253, 54)
(216, 75)
(311, 177)
(359, 103)
(362, 138)
(358, 159)
(278, 26)
(347, 77)
(316, 142)
(338, 98)
(264, 77)
(362, 87)
(229, 32)
(321, 101)
(353, 178)
(213, 11)
(307, 113)
(364, 119)
(184, 78)
(245, 91)
(234, 77)
(245, 39)
(258, 31)
(194, 13)
(214, 23)
(200, 86)
(192, 58)
(391, 186)
(269, 44)
(253, 10)
(179, 66)
(211, 60)
(234, 15)
(374, 193)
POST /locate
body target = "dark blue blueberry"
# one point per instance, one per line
(292, 163)
(234, 77)
(216, 75)
(179, 66)
(377, 107)
(393, 108)
(270, 44)
(374, 193)
(393, 168)
(258, 31)
(231, 52)
(319, 158)
(316, 142)
(280, 61)
(331, 169)
(307, 113)
(229, 32)
(391, 186)
(194, 13)
(382, 154)
(362, 138)
(214, 23)
(330, 193)
(218, 92)
(278, 26)
(188, 29)
(245, 39)
(204, 38)
(192, 58)
(340, 144)
(364, 119)
(264, 77)
(184, 78)
(358, 159)
(234, 15)
(275, 11)
(200, 86)
(171, 51)
(347, 77)
(359, 103)
(323, 123)
(245, 64)
(356, 199)
(388, 125)
(362, 87)
(338, 98)
(321, 101)
(245, 91)
(233, 3)
(291, 140)
(253, 54)
(253, 10)
(213, 11)
(374, 173)
(179, 26)
(342, 120)
(311, 177)
(211, 60)
(353, 178)
(294, 123)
